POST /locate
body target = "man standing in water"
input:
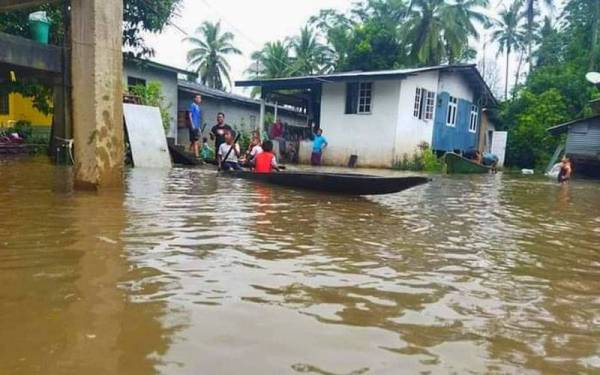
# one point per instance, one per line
(218, 131)
(319, 145)
(195, 118)
(564, 175)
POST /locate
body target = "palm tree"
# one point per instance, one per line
(438, 30)
(273, 61)
(530, 10)
(310, 56)
(208, 57)
(509, 36)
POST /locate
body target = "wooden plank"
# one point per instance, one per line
(6, 5)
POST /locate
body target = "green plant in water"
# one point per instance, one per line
(152, 95)
(423, 160)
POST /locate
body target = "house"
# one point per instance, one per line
(14, 107)
(583, 144)
(380, 116)
(140, 72)
(241, 112)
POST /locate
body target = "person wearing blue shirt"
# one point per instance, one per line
(319, 145)
(195, 113)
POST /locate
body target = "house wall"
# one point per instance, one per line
(21, 109)
(168, 81)
(584, 138)
(448, 138)
(413, 131)
(370, 136)
(240, 116)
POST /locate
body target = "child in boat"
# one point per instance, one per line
(206, 153)
(265, 162)
(231, 163)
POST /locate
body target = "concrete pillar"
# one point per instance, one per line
(261, 118)
(97, 93)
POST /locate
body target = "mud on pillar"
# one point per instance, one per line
(97, 106)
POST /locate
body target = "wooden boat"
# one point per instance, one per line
(339, 183)
(457, 164)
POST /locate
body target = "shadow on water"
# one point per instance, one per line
(62, 266)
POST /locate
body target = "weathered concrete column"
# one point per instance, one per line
(97, 94)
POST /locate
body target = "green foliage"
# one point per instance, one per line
(40, 94)
(151, 95)
(529, 143)
(423, 160)
(24, 129)
(208, 56)
(556, 90)
(139, 16)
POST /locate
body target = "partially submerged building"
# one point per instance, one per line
(381, 116)
(241, 112)
(582, 144)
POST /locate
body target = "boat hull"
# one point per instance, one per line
(338, 183)
(457, 164)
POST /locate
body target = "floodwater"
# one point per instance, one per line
(185, 273)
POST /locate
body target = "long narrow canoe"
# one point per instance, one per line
(339, 183)
(457, 164)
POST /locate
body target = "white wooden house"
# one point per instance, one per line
(382, 115)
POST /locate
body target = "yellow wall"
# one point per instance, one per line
(21, 109)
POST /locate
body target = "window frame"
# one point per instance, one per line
(362, 97)
(135, 81)
(473, 119)
(429, 107)
(451, 115)
(5, 107)
(417, 110)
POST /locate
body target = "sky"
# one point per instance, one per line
(252, 22)
(259, 21)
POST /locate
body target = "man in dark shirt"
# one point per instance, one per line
(218, 131)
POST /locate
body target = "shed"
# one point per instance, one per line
(583, 143)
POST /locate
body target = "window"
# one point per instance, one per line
(429, 104)
(451, 116)
(474, 119)
(418, 102)
(4, 104)
(358, 97)
(252, 122)
(133, 81)
(364, 97)
(424, 103)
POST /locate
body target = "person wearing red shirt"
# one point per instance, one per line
(265, 162)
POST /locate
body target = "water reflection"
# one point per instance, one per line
(188, 273)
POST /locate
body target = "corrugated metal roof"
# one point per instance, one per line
(563, 128)
(474, 78)
(197, 88)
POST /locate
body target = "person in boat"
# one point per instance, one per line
(254, 148)
(231, 163)
(319, 144)
(265, 161)
(564, 175)
(195, 124)
(218, 131)
(490, 160)
(206, 153)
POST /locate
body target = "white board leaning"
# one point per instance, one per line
(146, 136)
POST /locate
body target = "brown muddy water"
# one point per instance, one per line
(185, 273)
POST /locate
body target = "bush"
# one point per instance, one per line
(151, 95)
(423, 160)
(24, 129)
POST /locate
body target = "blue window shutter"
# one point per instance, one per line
(440, 138)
